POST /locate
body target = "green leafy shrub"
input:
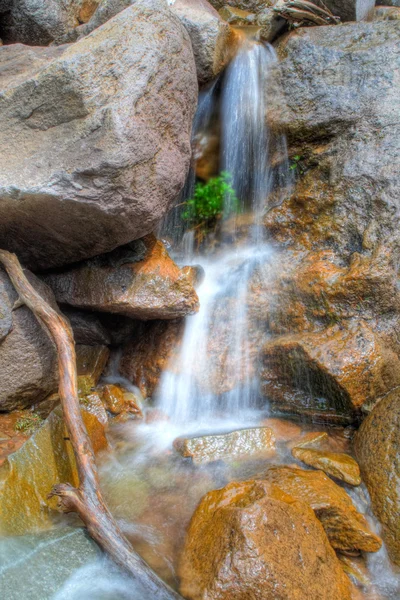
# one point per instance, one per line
(208, 201)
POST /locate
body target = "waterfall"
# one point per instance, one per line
(214, 373)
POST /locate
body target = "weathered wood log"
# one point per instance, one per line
(305, 11)
(86, 500)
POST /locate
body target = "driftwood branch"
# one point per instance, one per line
(304, 11)
(86, 500)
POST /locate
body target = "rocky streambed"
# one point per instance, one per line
(238, 376)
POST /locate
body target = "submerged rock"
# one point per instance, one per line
(245, 442)
(46, 561)
(345, 527)
(251, 540)
(96, 139)
(140, 281)
(45, 459)
(378, 453)
(28, 359)
(338, 465)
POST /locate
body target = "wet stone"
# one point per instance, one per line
(245, 442)
(346, 528)
(90, 362)
(338, 465)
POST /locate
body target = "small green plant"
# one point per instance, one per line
(296, 165)
(208, 201)
(28, 423)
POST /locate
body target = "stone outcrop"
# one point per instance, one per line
(377, 450)
(257, 441)
(346, 528)
(39, 23)
(28, 360)
(95, 137)
(140, 281)
(338, 465)
(249, 5)
(251, 540)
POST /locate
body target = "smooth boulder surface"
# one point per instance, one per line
(140, 281)
(346, 528)
(96, 142)
(251, 540)
(378, 453)
(28, 360)
(348, 10)
(39, 23)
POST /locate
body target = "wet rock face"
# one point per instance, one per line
(139, 281)
(146, 356)
(245, 442)
(39, 23)
(28, 360)
(251, 540)
(94, 155)
(345, 527)
(334, 371)
(348, 10)
(377, 451)
(335, 296)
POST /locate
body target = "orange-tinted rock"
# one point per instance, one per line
(345, 527)
(377, 446)
(117, 400)
(139, 280)
(340, 466)
(252, 541)
(245, 442)
(332, 372)
(147, 355)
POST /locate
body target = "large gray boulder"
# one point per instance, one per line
(39, 22)
(95, 137)
(28, 359)
(212, 39)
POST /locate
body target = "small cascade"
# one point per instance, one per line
(214, 374)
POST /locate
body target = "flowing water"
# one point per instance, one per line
(211, 383)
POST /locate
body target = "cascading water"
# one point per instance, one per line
(214, 374)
